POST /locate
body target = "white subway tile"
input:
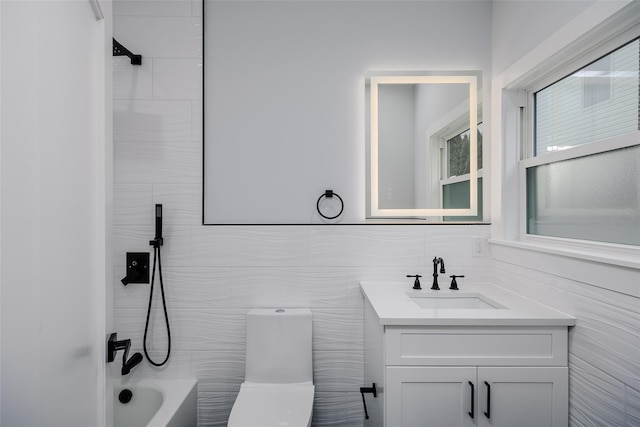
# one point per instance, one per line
(453, 244)
(185, 287)
(132, 81)
(289, 287)
(338, 370)
(132, 296)
(340, 330)
(152, 162)
(214, 408)
(198, 287)
(142, 120)
(633, 407)
(329, 409)
(595, 398)
(132, 204)
(606, 337)
(129, 324)
(128, 238)
(175, 251)
(250, 246)
(355, 409)
(218, 371)
(181, 203)
(212, 330)
(177, 78)
(178, 365)
(366, 246)
(160, 37)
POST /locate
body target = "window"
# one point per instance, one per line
(583, 178)
(454, 185)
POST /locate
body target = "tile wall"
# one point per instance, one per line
(604, 346)
(213, 275)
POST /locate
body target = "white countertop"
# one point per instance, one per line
(393, 306)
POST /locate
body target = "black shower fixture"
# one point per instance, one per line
(119, 50)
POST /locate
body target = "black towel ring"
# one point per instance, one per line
(329, 194)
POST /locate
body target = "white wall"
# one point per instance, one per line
(519, 26)
(601, 291)
(53, 213)
(215, 274)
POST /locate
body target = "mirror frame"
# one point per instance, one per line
(472, 81)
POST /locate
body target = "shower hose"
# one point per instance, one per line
(157, 257)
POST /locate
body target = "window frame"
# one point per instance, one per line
(527, 157)
(437, 143)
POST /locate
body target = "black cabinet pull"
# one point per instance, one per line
(488, 413)
(472, 413)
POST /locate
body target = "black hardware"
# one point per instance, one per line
(437, 261)
(364, 390)
(416, 283)
(488, 413)
(157, 243)
(472, 413)
(158, 240)
(137, 268)
(125, 396)
(113, 346)
(119, 50)
(454, 284)
(329, 194)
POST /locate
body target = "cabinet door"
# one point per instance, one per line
(523, 397)
(430, 396)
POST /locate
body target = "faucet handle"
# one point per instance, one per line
(454, 284)
(416, 283)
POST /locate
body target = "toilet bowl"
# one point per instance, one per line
(278, 389)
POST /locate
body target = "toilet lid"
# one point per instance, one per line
(273, 405)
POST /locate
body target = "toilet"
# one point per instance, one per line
(278, 385)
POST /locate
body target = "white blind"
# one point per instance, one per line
(598, 101)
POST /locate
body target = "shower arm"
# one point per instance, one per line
(119, 50)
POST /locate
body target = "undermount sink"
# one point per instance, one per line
(454, 301)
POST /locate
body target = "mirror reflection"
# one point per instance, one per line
(425, 142)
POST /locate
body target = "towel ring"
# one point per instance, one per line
(329, 194)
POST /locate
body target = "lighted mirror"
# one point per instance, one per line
(425, 136)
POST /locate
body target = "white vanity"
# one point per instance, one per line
(479, 356)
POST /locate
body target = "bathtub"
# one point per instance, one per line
(155, 403)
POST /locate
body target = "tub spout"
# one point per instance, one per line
(113, 346)
(129, 364)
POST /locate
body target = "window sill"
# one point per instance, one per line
(613, 256)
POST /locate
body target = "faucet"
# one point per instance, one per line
(113, 346)
(437, 261)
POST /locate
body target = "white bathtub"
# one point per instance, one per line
(156, 403)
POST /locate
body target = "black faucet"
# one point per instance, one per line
(437, 261)
(113, 346)
(416, 283)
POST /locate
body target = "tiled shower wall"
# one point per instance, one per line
(213, 275)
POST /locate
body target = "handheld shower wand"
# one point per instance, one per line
(157, 242)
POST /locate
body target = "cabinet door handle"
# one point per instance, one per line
(488, 413)
(473, 393)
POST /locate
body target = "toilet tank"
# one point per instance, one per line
(279, 346)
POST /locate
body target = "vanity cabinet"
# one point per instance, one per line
(476, 396)
(450, 376)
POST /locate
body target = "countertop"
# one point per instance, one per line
(393, 306)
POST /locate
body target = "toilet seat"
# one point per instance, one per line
(273, 405)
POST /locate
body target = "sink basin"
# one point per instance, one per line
(457, 301)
